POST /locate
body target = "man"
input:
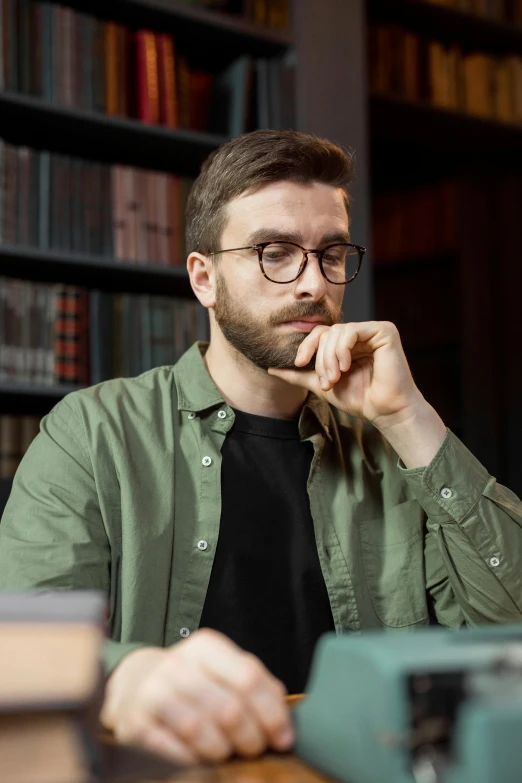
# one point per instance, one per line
(287, 480)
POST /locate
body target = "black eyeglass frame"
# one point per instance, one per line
(319, 253)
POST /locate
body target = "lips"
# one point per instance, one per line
(309, 320)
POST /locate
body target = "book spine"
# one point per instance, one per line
(111, 68)
(9, 445)
(83, 367)
(22, 237)
(170, 106)
(42, 295)
(140, 198)
(117, 212)
(147, 77)
(174, 226)
(33, 200)
(106, 206)
(44, 201)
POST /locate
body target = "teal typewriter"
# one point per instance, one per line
(430, 706)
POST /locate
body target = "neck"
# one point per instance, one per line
(249, 388)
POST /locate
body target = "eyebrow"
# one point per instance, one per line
(276, 235)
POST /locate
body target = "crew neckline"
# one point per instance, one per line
(266, 426)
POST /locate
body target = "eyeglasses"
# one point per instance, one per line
(284, 262)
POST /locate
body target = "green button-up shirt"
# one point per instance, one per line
(121, 491)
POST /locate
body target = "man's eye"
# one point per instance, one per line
(333, 258)
(275, 255)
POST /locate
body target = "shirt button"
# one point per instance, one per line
(202, 545)
(184, 632)
(206, 461)
(222, 414)
(494, 561)
(446, 493)
(192, 415)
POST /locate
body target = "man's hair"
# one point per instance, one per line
(251, 161)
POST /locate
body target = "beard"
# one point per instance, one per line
(256, 338)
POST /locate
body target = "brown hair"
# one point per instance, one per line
(250, 161)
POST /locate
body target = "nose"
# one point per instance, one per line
(311, 283)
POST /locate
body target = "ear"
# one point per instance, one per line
(202, 280)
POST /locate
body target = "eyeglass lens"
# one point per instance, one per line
(281, 262)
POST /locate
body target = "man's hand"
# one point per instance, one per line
(361, 369)
(203, 699)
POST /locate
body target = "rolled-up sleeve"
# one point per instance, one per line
(475, 526)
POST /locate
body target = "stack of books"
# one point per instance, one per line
(53, 333)
(408, 66)
(55, 202)
(76, 60)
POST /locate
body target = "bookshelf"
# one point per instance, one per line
(217, 39)
(35, 123)
(456, 308)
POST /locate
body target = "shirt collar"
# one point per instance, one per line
(197, 392)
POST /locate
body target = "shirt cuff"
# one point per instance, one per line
(114, 652)
(451, 485)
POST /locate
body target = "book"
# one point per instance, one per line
(167, 86)
(231, 98)
(147, 77)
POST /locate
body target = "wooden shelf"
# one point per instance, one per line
(218, 29)
(25, 120)
(449, 24)
(37, 390)
(420, 127)
(108, 274)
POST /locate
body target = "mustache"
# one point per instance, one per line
(302, 310)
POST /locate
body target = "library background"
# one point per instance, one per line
(107, 110)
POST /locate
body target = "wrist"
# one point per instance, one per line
(126, 676)
(415, 434)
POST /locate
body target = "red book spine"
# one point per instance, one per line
(147, 64)
(83, 337)
(167, 81)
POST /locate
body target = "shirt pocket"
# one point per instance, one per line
(392, 548)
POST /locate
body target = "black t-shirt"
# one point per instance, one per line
(266, 589)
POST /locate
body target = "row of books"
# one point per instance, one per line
(415, 223)
(54, 333)
(76, 60)
(16, 435)
(404, 64)
(507, 11)
(55, 202)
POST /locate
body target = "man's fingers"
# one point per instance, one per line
(157, 738)
(309, 346)
(215, 703)
(245, 675)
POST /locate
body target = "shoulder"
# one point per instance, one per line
(142, 396)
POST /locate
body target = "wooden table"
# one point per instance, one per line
(270, 768)
(267, 769)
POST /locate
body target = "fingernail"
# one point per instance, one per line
(324, 383)
(285, 739)
(330, 375)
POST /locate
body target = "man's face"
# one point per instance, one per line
(259, 318)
